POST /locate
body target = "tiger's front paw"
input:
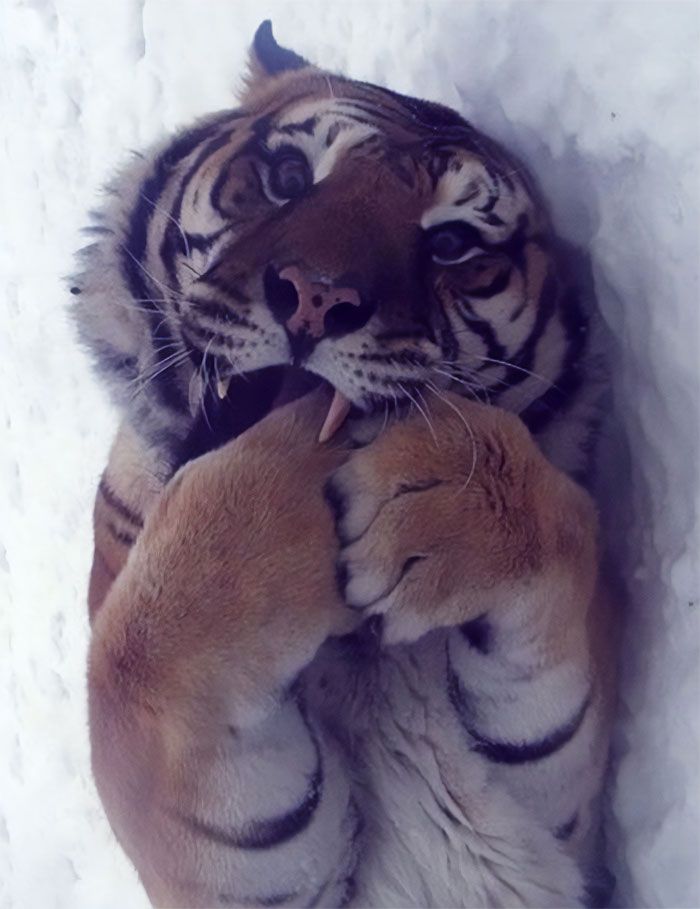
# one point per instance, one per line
(439, 522)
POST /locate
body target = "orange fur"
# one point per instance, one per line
(230, 589)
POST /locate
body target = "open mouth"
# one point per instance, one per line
(233, 406)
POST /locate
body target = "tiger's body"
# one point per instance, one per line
(375, 671)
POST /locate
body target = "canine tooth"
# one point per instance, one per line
(222, 387)
(339, 409)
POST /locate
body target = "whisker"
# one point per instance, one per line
(144, 309)
(510, 365)
(423, 413)
(425, 403)
(174, 360)
(466, 425)
(192, 269)
(386, 414)
(146, 373)
(237, 369)
(169, 345)
(471, 387)
(190, 393)
(477, 383)
(143, 268)
(170, 217)
(203, 368)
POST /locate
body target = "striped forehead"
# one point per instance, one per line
(471, 190)
(322, 128)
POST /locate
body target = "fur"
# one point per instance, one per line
(376, 671)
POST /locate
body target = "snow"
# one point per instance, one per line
(602, 99)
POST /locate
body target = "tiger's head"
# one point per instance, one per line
(333, 229)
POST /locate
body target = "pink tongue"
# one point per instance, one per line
(339, 409)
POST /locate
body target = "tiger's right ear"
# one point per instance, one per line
(268, 58)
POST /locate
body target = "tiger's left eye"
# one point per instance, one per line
(290, 176)
(452, 242)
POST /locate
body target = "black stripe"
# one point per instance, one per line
(559, 397)
(519, 310)
(436, 118)
(437, 166)
(96, 229)
(399, 357)
(514, 246)
(480, 327)
(400, 336)
(225, 287)
(113, 361)
(223, 176)
(306, 126)
(151, 191)
(204, 242)
(452, 818)
(493, 219)
(565, 831)
(487, 206)
(126, 539)
(342, 580)
(374, 112)
(511, 752)
(318, 896)
(445, 126)
(269, 832)
(134, 250)
(599, 887)
(478, 633)
(191, 330)
(276, 899)
(118, 505)
(221, 313)
(173, 241)
(497, 286)
(349, 891)
(525, 356)
(363, 121)
(446, 334)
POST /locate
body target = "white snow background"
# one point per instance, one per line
(602, 99)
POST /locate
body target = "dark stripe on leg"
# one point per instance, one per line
(599, 889)
(120, 507)
(276, 899)
(270, 832)
(511, 752)
(566, 831)
(478, 633)
(126, 539)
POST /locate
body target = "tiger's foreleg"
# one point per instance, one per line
(218, 784)
(462, 524)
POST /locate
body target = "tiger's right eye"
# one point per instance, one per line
(452, 242)
(290, 176)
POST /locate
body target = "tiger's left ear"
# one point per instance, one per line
(268, 58)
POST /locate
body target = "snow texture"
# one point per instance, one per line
(603, 100)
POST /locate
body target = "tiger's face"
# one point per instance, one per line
(364, 238)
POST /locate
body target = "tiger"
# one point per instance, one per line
(351, 640)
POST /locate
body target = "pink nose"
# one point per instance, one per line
(315, 300)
